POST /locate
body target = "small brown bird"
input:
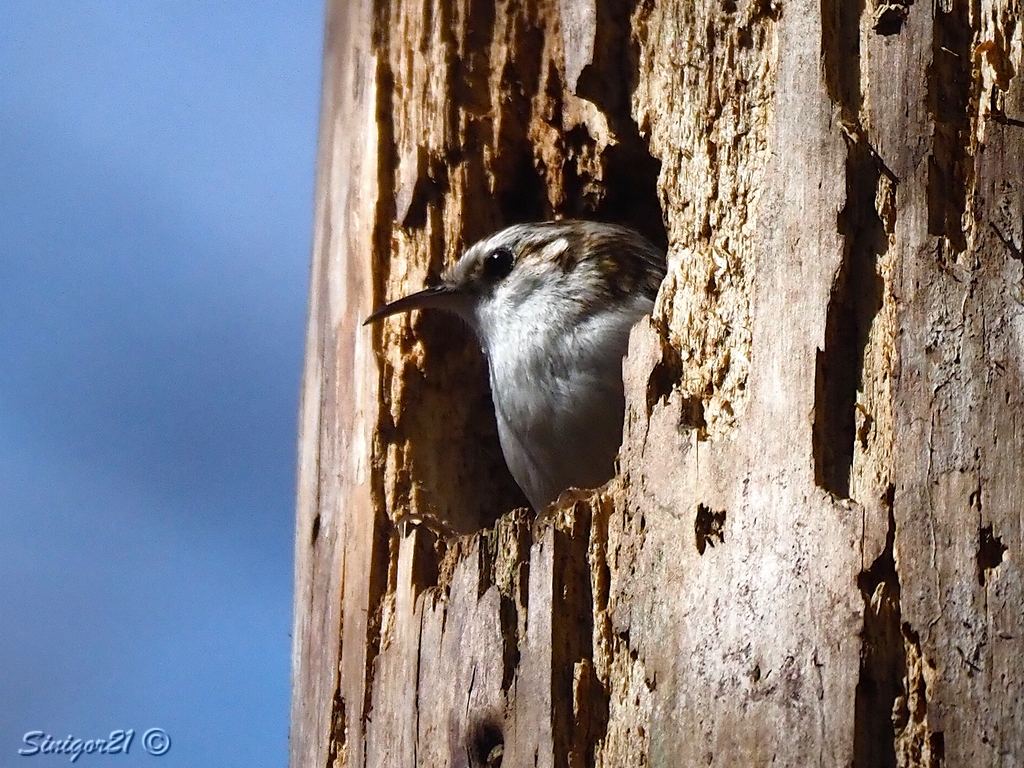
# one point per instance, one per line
(552, 304)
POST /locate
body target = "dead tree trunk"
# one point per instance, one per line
(811, 555)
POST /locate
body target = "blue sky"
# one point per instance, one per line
(156, 186)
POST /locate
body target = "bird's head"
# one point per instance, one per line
(541, 276)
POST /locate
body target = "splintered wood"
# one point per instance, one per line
(811, 554)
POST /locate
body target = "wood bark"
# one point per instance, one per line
(811, 554)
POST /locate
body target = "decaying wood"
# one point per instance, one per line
(811, 554)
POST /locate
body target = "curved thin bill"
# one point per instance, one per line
(438, 297)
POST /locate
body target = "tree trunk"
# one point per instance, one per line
(811, 554)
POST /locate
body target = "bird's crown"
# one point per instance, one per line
(605, 261)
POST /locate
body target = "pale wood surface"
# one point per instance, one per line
(812, 553)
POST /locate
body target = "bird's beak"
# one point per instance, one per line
(439, 297)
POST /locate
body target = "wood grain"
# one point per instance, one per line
(811, 554)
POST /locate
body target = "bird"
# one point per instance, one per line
(552, 304)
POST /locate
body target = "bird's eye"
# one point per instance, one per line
(498, 263)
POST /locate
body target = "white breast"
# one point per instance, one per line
(558, 390)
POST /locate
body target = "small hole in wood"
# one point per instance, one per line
(487, 743)
(709, 526)
(990, 552)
